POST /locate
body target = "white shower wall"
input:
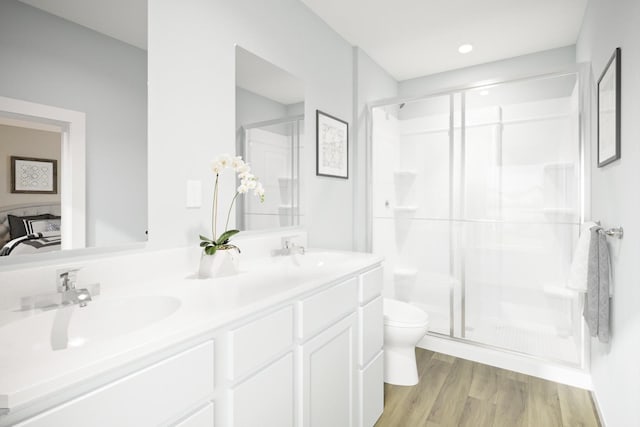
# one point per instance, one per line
(272, 152)
(479, 229)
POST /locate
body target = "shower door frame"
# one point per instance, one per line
(584, 78)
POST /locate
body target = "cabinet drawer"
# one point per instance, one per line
(265, 399)
(371, 329)
(148, 397)
(255, 343)
(324, 308)
(204, 417)
(372, 392)
(370, 285)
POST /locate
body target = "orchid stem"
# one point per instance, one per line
(226, 225)
(215, 208)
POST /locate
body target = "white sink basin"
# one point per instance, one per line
(310, 259)
(74, 326)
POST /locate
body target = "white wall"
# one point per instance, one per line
(521, 66)
(192, 99)
(48, 60)
(616, 367)
(372, 83)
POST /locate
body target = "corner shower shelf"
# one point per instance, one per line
(405, 173)
(405, 272)
(407, 210)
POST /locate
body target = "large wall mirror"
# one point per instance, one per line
(270, 129)
(73, 125)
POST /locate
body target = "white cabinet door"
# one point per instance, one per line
(372, 391)
(329, 374)
(265, 399)
(203, 417)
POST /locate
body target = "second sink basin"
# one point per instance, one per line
(74, 326)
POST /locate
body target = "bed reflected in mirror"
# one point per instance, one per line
(73, 126)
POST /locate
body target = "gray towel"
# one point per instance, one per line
(596, 307)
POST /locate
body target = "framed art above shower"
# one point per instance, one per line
(609, 111)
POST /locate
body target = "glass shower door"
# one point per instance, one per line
(521, 217)
(476, 207)
(412, 145)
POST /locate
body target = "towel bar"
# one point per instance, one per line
(617, 232)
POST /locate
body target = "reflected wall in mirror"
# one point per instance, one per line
(87, 59)
(270, 128)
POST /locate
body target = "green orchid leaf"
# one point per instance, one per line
(224, 237)
(203, 244)
(210, 250)
(206, 239)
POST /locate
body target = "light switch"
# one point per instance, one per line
(194, 193)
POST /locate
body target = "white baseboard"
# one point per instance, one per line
(597, 406)
(526, 365)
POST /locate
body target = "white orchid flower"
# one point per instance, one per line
(243, 189)
(216, 166)
(251, 184)
(244, 168)
(237, 163)
(225, 160)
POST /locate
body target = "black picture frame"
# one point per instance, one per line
(608, 109)
(332, 146)
(48, 167)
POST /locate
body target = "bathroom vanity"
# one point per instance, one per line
(292, 341)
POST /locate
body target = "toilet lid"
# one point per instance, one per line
(402, 314)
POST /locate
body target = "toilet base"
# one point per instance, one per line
(400, 366)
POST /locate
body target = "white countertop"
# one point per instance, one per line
(206, 305)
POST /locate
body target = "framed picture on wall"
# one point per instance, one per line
(34, 176)
(609, 111)
(332, 146)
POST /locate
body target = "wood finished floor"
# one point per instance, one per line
(457, 392)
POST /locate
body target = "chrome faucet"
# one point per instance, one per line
(67, 287)
(289, 247)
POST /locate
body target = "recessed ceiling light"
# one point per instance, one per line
(465, 48)
(484, 92)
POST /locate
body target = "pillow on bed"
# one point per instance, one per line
(42, 225)
(16, 224)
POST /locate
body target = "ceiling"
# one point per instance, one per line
(408, 38)
(413, 38)
(124, 20)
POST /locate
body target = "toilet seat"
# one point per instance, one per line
(403, 315)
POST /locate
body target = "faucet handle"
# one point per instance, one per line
(289, 242)
(66, 279)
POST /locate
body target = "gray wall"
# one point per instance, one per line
(616, 367)
(372, 83)
(52, 61)
(192, 100)
(252, 108)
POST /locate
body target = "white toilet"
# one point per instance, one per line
(404, 326)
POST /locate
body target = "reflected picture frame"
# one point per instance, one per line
(608, 109)
(31, 175)
(332, 146)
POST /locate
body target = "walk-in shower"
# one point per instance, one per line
(476, 205)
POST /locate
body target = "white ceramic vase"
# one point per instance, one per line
(222, 263)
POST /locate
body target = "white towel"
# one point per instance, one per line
(580, 264)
